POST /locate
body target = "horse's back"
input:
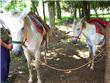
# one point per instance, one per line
(100, 21)
(100, 25)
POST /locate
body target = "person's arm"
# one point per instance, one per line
(8, 46)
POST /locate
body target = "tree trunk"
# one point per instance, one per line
(95, 10)
(44, 10)
(86, 9)
(58, 9)
(35, 8)
(75, 10)
(107, 72)
(51, 8)
(80, 13)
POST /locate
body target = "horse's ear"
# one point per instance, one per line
(16, 14)
(26, 10)
(24, 13)
(82, 20)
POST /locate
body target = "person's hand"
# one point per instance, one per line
(9, 46)
(1, 42)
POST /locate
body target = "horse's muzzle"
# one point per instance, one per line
(17, 51)
(74, 40)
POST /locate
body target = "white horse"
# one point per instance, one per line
(25, 35)
(93, 38)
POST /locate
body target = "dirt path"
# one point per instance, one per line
(61, 54)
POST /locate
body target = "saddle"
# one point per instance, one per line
(100, 25)
(39, 24)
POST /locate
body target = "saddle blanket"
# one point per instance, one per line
(39, 24)
(100, 25)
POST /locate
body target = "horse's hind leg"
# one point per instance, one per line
(37, 64)
(28, 63)
(92, 51)
(90, 55)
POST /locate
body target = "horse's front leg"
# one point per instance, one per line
(93, 56)
(26, 53)
(92, 51)
(90, 55)
(37, 64)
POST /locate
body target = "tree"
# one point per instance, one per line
(51, 9)
(34, 7)
(43, 4)
(58, 9)
(107, 72)
(86, 9)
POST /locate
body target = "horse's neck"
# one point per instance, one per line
(27, 28)
(89, 30)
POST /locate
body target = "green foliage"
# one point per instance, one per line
(0, 4)
(100, 4)
(35, 3)
(63, 20)
(70, 5)
(15, 5)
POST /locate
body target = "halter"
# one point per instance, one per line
(79, 34)
(18, 42)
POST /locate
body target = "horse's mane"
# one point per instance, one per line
(27, 25)
(27, 21)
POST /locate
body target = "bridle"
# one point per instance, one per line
(77, 37)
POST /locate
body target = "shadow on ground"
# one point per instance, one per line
(64, 55)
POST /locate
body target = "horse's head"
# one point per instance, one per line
(16, 27)
(77, 29)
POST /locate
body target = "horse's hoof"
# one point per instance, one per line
(30, 81)
(88, 65)
(91, 68)
(39, 81)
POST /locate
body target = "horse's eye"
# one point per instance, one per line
(78, 29)
(22, 29)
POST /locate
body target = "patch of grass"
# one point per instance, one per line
(104, 17)
(19, 58)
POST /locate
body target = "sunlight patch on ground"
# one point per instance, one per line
(50, 54)
(84, 54)
(81, 55)
(76, 57)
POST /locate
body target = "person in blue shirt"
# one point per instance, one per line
(5, 48)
